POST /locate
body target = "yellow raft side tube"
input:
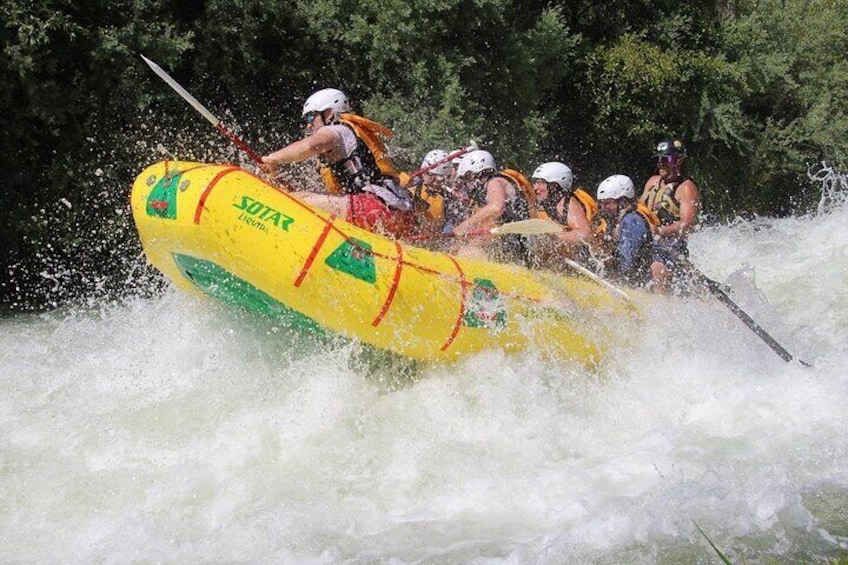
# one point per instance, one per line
(219, 230)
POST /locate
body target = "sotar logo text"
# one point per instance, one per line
(255, 213)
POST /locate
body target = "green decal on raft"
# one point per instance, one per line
(260, 211)
(354, 257)
(217, 282)
(485, 309)
(162, 200)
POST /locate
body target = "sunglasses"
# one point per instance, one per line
(310, 117)
(669, 160)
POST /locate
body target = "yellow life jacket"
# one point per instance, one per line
(661, 201)
(524, 185)
(593, 211)
(435, 204)
(371, 134)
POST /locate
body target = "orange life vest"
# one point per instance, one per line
(371, 134)
(651, 219)
(589, 205)
(524, 185)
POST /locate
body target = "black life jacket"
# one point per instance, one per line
(549, 205)
(358, 170)
(369, 163)
(509, 248)
(515, 209)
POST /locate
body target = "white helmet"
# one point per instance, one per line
(435, 156)
(615, 187)
(327, 99)
(476, 162)
(554, 172)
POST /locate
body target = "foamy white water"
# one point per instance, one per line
(175, 430)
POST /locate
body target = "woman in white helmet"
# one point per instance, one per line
(363, 182)
(625, 240)
(572, 208)
(445, 206)
(495, 200)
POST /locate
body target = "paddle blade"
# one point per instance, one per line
(718, 291)
(182, 92)
(534, 226)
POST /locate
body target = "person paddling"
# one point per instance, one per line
(574, 209)
(495, 200)
(445, 205)
(625, 238)
(356, 168)
(673, 196)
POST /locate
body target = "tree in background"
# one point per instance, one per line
(87, 115)
(443, 71)
(794, 106)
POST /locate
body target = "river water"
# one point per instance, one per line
(176, 430)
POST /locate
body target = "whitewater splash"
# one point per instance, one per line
(175, 430)
(833, 185)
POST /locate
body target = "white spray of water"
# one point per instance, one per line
(175, 430)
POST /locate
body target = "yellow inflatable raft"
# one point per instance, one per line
(218, 230)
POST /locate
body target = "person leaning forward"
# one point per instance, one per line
(444, 206)
(495, 199)
(673, 196)
(573, 208)
(362, 180)
(625, 238)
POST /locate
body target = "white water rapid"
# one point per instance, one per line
(175, 430)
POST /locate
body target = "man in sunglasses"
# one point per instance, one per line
(356, 167)
(673, 196)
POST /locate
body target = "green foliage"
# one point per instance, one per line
(69, 75)
(795, 106)
(641, 90)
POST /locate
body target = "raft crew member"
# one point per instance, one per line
(459, 206)
(460, 196)
(356, 167)
(572, 208)
(626, 239)
(672, 195)
(445, 206)
(495, 200)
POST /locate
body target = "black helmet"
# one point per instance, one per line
(671, 146)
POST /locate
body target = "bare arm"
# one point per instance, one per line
(578, 229)
(687, 195)
(319, 142)
(486, 216)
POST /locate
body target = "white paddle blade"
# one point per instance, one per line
(533, 226)
(182, 92)
(538, 226)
